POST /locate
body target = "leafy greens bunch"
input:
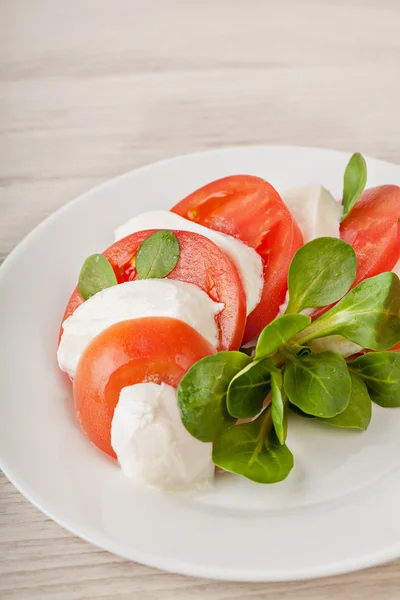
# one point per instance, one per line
(284, 373)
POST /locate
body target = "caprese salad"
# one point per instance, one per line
(192, 337)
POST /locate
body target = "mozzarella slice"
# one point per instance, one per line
(132, 300)
(247, 261)
(315, 210)
(317, 214)
(151, 443)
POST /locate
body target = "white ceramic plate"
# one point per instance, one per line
(337, 511)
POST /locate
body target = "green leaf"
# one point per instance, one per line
(279, 406)
(303, 351)
(202, 394)
(381, 373)
(357, 415)
(369, 315)
(96, 274)
(297, 350)
(253, 451)
(320, 273)
(280, 331)
(297, 411)
(354, 181)
(319, 384)
(249, 388)
(157, 255)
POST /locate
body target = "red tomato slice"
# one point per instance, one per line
(202, 263)
(373, 229)
(157, 349)
(249, 209)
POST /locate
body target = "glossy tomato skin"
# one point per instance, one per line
(373, 229)
(251, 210)
(202, 263)
(156, 349)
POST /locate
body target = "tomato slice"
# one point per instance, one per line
(202, 263)
(250, 209)
(157, 349)
(373, 229)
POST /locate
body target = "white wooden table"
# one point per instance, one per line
(90, 89)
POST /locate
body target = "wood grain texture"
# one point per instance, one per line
(90, 89)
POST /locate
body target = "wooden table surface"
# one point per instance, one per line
(90, 89)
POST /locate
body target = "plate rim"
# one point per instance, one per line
(205, 572)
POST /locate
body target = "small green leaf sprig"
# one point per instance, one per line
(157, 255)
(156, 258)
(96, 274)
(354, 181)
(284, 372)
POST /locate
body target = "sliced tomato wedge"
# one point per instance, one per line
(250, 209)
(202, 263)
(156, 349)
(373, 229)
